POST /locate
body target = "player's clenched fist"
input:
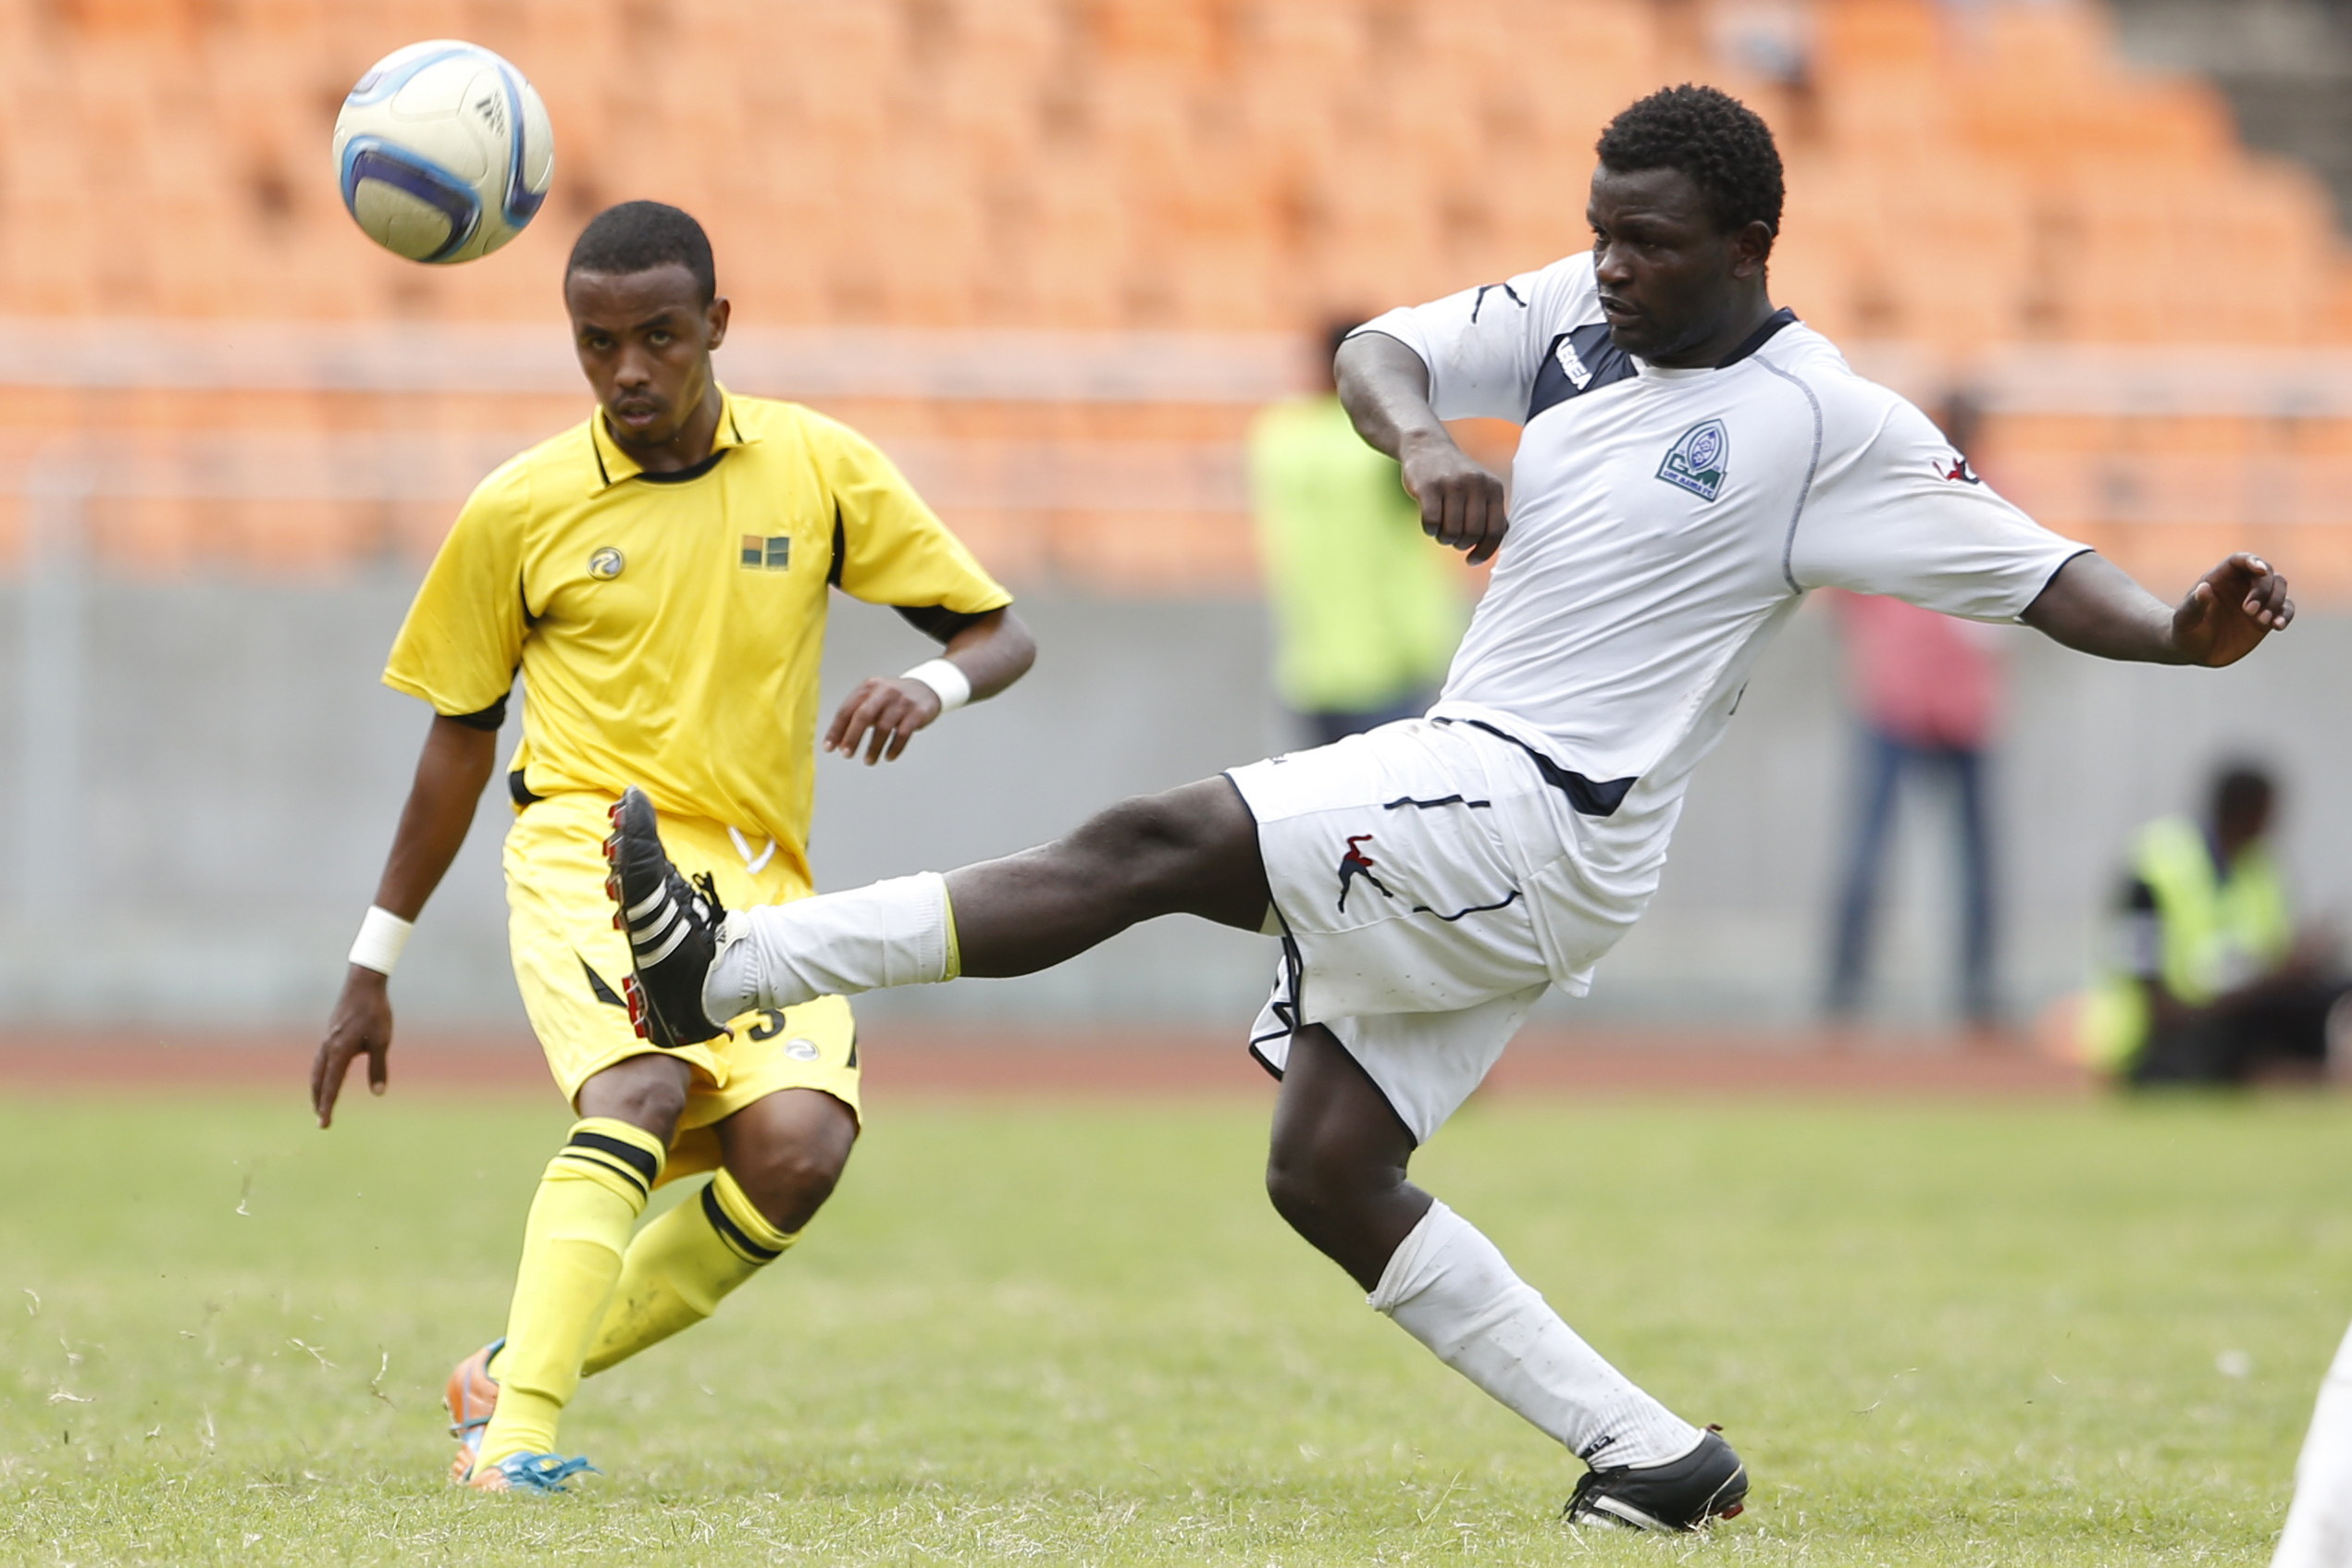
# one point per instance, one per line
(1462, 500)
(883, 715)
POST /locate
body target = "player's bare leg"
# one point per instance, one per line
(1190, 851)
(788, 1151)
(648, 1092)
(1336, 1167)
(1337, 1173)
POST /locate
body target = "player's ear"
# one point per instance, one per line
(1750, 249)
(717, 318)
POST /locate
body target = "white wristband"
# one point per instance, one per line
(953, 686)
(381, 937)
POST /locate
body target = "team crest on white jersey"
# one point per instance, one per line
(1696, 463)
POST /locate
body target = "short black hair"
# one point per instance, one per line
(2241, 790)
(1721, 143)
(638, 236)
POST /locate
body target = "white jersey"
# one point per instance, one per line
(1665, 524)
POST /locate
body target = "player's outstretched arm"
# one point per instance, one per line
(449, 777)
(1385, 388)
(2093, 607)
(884, 714)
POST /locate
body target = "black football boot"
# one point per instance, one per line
(673, 927)
(1682, 1494)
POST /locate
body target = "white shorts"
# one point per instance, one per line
(1409, 868)
(1426, 1064)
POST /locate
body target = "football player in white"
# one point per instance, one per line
(1693, 461)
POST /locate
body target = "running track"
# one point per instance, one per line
(901, 1059)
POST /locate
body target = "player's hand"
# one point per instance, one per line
(362, 1024)
(1462, 501)
(882, 715)
(2230, 611)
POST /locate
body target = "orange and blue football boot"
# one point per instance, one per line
(471, 1396)
(529, 1473)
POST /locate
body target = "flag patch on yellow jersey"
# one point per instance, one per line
(772, 552)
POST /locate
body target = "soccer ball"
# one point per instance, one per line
(443, 151)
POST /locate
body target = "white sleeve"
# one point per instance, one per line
(1483, 345)
(1899, 513)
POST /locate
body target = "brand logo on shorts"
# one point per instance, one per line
(1955, 467)
(606, 564)
(1355, 863)
(1697, 462)
(801, 1048)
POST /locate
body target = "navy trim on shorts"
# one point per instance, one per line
(1590, 797)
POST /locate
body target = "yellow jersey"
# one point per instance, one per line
(668, 628)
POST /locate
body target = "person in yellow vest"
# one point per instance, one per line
(1367, 609)
(2209, 982)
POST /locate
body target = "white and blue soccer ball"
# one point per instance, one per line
(443, 151)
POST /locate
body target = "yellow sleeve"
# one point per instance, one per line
(463, 635)
(892, 549)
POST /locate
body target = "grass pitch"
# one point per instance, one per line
(2062, 1335)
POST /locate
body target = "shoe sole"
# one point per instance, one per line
(640, 1010)
(1620, 1516)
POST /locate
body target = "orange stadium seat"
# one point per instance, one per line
(1960, 180)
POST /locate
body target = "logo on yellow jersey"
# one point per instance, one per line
(606, 564)
(768, 552)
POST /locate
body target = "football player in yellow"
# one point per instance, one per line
(660, 575)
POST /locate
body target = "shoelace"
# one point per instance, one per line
(707, 886)
(545, 1472)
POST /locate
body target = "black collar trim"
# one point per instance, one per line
(683, 475)
(1782, 317)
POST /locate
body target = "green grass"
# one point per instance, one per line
(1959, 1336)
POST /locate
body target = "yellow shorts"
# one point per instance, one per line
(570, 961)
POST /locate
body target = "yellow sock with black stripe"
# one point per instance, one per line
(682, 1265)
(588, 1201)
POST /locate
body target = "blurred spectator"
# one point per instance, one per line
(2208, 980)
(1926, 688)
(1367, 609)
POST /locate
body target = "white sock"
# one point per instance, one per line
(2318, 1526)
(1449, 1287)
(894, 932)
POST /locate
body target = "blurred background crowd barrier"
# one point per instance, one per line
(1054, 255)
